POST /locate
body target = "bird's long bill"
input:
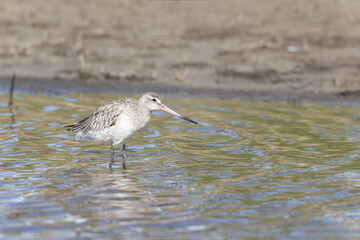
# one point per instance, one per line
(166, 109)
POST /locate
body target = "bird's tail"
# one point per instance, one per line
(70, 127)
(78, 126)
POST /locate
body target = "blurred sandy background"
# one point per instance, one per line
(290, 48)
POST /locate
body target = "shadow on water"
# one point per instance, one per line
(248, 170)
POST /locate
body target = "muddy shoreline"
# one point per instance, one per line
(66, 87)
(255, 50)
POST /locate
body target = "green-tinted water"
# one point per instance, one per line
(249, 170)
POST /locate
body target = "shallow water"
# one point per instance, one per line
(249, 170)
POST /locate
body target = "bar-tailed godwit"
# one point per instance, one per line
(118, 121)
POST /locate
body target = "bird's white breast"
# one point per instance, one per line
(123, 130)
(127, 126)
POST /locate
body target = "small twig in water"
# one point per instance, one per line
(11, 97)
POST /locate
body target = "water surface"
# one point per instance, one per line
(249, 170)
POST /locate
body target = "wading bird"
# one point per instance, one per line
(118, 121)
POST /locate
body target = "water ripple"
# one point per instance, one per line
(248, 170)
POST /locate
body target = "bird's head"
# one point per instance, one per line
(152, 102)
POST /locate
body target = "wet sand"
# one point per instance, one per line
(278, 50)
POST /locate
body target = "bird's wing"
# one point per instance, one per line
(104, 117)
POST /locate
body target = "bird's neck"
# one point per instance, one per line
(142, 101)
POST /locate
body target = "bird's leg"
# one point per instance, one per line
(124, 151)
(112, 153)
(124, 157)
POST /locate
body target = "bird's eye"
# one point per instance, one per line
(154, 100)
